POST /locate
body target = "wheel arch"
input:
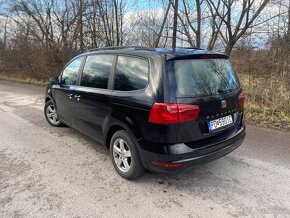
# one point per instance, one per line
(116, 126)
(111, 131)
(48, 97)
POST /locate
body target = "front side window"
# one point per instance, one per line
(131, 73)
(70, 73)
(97, 71)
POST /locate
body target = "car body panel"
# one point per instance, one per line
(65, 103)
(95, 112)
(92, 111)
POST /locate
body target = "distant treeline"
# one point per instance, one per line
(38, 37)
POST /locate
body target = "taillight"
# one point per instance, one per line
(242, 99)
(163, 113)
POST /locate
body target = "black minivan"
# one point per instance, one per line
(155, 109)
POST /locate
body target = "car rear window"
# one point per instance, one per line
(203, 77)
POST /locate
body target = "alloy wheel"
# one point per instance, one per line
(122, 155)
(51, 115)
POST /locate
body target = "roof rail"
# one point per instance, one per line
(196, 48)
(123, 47)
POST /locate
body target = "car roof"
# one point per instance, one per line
(147, 51)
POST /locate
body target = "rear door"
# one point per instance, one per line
(64, 93)
(210, 83)
(93, 95)
(132, 96)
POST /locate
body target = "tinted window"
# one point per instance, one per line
(131, 74)
(96, 71)
(70, 73)
(202, 77)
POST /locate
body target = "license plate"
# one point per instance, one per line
(221, 122)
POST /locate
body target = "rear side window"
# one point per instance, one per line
(131, 73)
(203, 77)
(97, 71)
(70, 73)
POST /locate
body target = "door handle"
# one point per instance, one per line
(70, 95)
(77, 97)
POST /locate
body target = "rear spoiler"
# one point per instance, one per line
(197, 56)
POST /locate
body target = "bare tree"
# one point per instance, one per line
(192, 20)
(234, 24)
(156, 43)
(152, 27)
(61, 29)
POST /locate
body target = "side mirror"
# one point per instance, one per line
(55, 80)
(60, 80)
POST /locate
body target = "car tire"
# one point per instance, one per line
(125, 156)
(50, 114)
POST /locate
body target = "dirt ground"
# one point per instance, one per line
(58, 172)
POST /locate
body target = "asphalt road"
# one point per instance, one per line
(57, 172)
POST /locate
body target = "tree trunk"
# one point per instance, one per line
(288, 30)
(198, 11)
(81, 35)
(174, 25)
(117, 22)
(229, 48)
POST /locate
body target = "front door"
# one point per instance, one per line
(64, 94)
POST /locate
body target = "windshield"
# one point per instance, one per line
(203, 77)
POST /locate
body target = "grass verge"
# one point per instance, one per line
(267, 101)
(23, 80)
(266, 117)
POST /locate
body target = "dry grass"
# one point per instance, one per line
(267, 101)
(23, 80)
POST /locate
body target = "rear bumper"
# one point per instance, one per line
(177, 157)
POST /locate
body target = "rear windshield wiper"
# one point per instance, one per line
(222, 91)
